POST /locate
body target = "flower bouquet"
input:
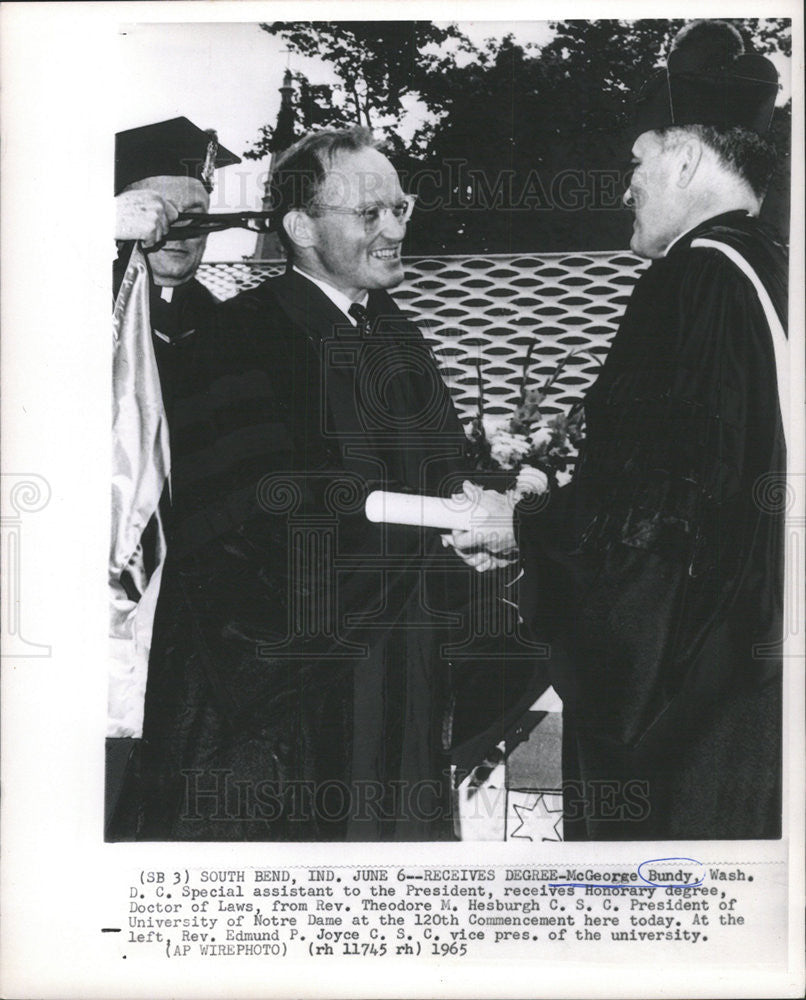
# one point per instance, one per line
(538, 448)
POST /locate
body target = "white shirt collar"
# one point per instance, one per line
(337, 297)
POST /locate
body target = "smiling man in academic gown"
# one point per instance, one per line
(297, 690)
(657, 575)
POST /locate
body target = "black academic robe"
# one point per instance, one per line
(296, 688)
(656, 575)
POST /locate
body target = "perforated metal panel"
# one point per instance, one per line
(490, 310)
(227, 279)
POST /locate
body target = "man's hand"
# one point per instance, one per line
(490, 543)
(143, 215)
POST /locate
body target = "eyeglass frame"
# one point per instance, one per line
(410, 200)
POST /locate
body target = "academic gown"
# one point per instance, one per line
(296, 690)
(656, 576)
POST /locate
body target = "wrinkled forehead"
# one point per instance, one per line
(360, 178)
(185, 192)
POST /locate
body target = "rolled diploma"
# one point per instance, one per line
(424, 512)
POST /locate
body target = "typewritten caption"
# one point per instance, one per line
(439, 912)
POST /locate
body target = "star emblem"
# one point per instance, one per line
(539, 815)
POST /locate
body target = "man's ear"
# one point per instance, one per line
(689, 156)
(299, 228)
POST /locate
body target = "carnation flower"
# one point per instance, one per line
(541, 438)
(508, 449)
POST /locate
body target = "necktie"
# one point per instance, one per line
(361, 317)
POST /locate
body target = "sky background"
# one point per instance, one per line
(227, 76)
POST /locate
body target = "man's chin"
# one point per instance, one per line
(389, 275)
(173, 271)
(638, 246)
(171, 280)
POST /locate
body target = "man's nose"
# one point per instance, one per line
(628, 200)
(391, 227)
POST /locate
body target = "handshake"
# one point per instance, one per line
(481, 522)
(490, 542)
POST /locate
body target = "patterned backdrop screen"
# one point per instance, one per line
(487, 313)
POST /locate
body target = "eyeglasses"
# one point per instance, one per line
(373, 216)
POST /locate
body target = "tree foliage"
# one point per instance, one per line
(516, 147)
(378, 64)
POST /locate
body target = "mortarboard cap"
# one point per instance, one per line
(709, 80)
(173, 148)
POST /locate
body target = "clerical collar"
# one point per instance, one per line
(739, 212)
(169, 318)
(337, 297)
(166, 293)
